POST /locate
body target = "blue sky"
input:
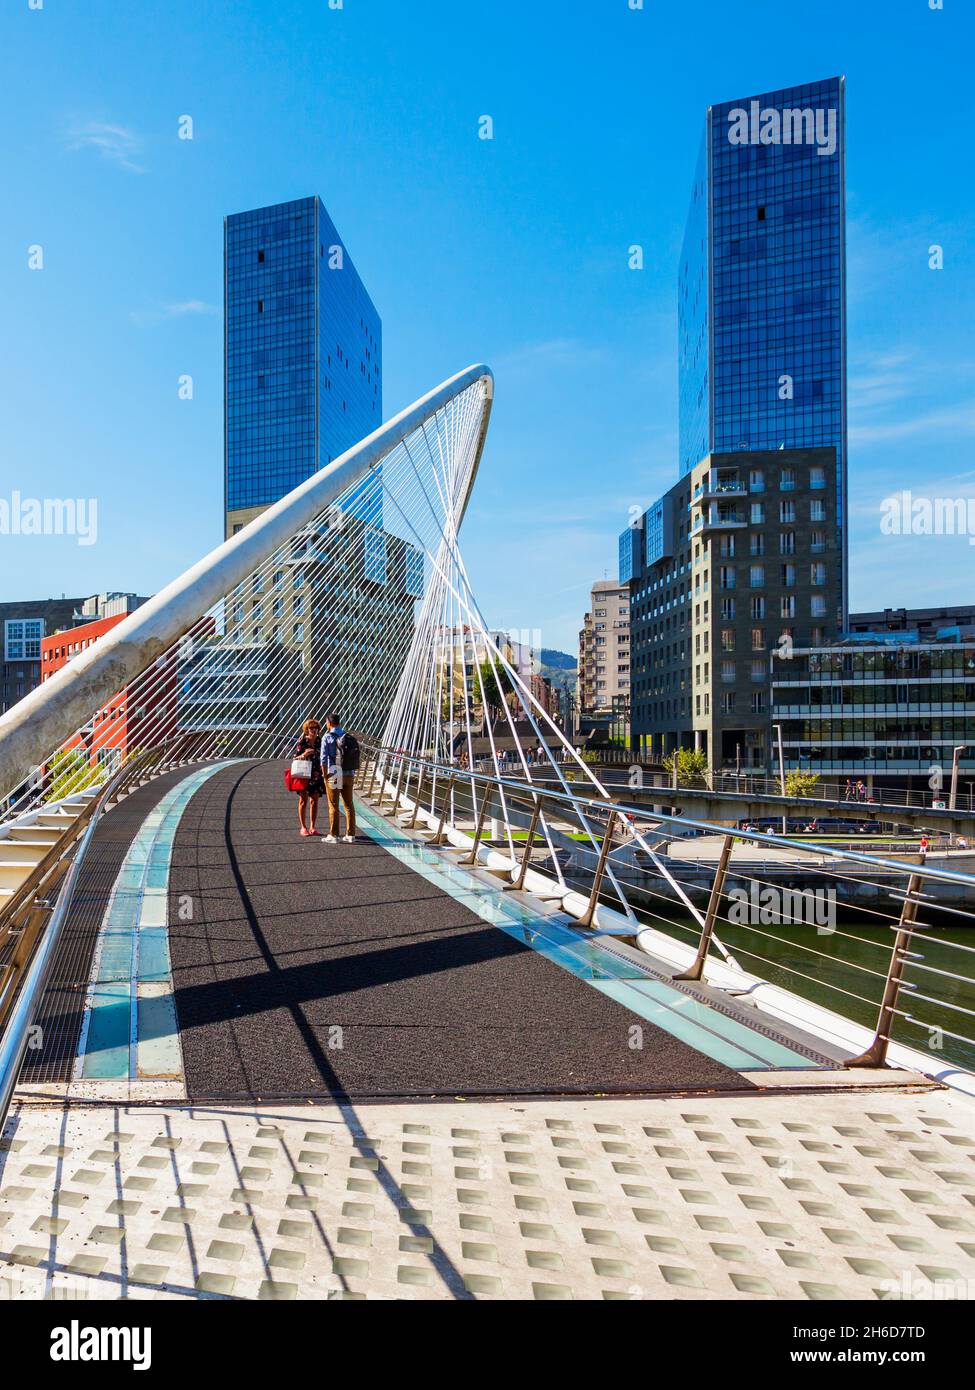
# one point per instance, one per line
(512, 251)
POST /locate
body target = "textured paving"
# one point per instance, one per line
(305, 969)
(859, 1196)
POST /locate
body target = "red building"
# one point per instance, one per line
(138, 717)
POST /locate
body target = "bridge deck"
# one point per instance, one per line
(316, 970)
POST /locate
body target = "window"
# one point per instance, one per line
(758, 639)
(787, 606)
(817, 510)
(727, 610)
(759, 701)
(817, 605)
(298, 632)
(817, 477)
(787, 480)
(757, 543)
(817, 542)
(728, 702)
(758, 605)
(817, 572)
(756, 480)
(789, 576)
(787, 512)
(756, 576)
(376, 556)
(729, 672)
(787, 542)
(757, 513)
(727, 639)
(260, 257)
(22, 639)
(726, 577)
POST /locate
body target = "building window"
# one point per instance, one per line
(817, 509)
(729, 672)
(728, 701)
(727, 639)
(787, 512)
(787, 542)
(789, 576)
(759, 701)
(727, 609)
(726, 577)
(817, 605)
(758, 513)
(787, 480)
(758, 606)
(757, 546)
(756, 576)
(758, 639)
(22, 639)
(817, 572)
(817, 477)
(756, 480)
(787, 607)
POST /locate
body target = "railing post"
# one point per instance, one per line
(586, 919)
(416, 799)
(373, 771)
(479, 828)
(696, 969)
(518, 884)
(399, 784)
(438, 839)
(876, 1053)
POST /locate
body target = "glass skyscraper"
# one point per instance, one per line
(761, 296)
(303, 354)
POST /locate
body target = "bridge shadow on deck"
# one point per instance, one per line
(337, 971)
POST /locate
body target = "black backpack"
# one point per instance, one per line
(347, 753)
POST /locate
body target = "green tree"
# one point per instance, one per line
(692, 767)
(801, 783)
(497, 687)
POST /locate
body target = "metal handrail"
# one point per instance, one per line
(678, 823)
(386, 759)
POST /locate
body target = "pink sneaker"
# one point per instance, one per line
(303, 831)
(315, 832)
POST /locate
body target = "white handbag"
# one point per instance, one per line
(301, 767)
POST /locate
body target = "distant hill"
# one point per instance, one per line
(562, 661)
(560, 668)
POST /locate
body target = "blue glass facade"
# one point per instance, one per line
(762, 302)
(303, 352)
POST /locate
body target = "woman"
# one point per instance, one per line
(310, 746)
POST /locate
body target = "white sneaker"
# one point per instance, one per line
(349, 839)
(331, 840)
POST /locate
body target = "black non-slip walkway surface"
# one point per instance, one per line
(63, 1006)
(314, 970)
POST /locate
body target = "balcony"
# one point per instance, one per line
(718, 518)
(717, 484)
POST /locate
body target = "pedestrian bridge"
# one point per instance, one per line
(503, 1045)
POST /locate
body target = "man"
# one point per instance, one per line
(340, 762)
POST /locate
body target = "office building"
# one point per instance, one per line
(748, 549)
(947, 624)
(889, 714)
(303, 355)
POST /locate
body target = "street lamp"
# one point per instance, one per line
(778, 730)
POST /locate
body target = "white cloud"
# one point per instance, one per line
(115, 143)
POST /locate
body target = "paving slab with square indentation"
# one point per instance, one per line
(850, 1195)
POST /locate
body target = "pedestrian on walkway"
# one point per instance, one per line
(340, 761)
(309, 751)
